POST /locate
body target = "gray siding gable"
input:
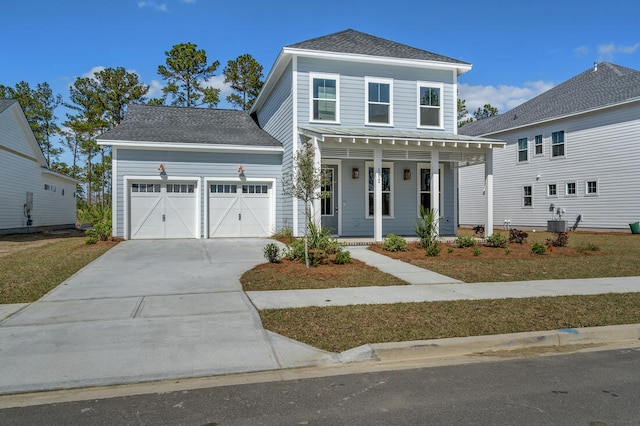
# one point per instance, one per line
(146, 123)
(354, 42)
(601, 86)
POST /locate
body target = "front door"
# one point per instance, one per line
(329, 203)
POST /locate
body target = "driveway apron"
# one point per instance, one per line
(146, 310)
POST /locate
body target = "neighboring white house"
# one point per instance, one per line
(32, 197)
(380, 115)
(572, 154)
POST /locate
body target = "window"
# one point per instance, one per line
(538, 145)
(552, 190)
(325, 98)
(326, 203)
(255, 189)
(181, 188)
(592, 187)
(387, 195)
(223, 189)
(557, 144)
(523, 150)
(424, 187)
(379, 107)
(527, 196)
(429, 105)
(145, 187)
(571, 188)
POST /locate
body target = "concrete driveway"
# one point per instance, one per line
(146, 310)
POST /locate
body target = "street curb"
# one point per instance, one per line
(500, 342)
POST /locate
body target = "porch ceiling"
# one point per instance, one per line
(399, 138)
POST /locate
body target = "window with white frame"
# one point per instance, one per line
(538, 145)
(557, 144)
(424, 187)
(379, 93)
(527, 196)
(552, 190)
(591, 187)
(430, 105)
(571, 189)
(325, 97)
(386, 176)
(523, 150)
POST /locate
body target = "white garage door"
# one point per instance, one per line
(239, 210)
(163, 210)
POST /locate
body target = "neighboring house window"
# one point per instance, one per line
(430, 105)
(592, 187)
(552, 190)
(571, 188)
(325, 99)
(538, 145)
(46, 187)
(387, 185)
(379, 106)
(523, 150)
(527, 196)
(557, 144)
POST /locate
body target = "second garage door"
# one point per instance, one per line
(239, 210)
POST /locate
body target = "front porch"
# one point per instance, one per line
(379, 178)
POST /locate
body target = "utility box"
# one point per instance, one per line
(556, 225)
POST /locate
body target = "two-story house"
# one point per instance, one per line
(381, 117)
(571, 156)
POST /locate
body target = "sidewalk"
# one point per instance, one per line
(427, 286)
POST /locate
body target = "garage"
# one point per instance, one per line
(163, 210)
(240, 209)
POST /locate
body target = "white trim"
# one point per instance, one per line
(272, 198)
(518, 150)
(338, 163)
(127, 194)
(175, 146)
(455, 107)
(379, 80)
(535, 154)
(549, 195)
(522, 204)
(384, 165)
(575, 189)
(488, 189)
(430, 84)
(325, 76)
(294, 142)
(586, 188)
(114, 192)
(564, 145)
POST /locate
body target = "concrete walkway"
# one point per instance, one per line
(428, 286)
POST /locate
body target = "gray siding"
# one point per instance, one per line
(131, 162)
(276, 118)
(601, 146)
(352, 91)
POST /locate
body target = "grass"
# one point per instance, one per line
(336, 329)
(26, 275)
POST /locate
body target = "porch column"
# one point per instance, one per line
(377, 194)
(435, 187)
(488, 192)
(317, 167)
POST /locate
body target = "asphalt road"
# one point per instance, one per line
(592, 388)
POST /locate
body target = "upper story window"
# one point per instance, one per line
(430, 105)
(557, 144)
(379, 101)
(538, 145)
(523, 150)
(325, 97)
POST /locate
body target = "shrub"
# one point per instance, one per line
(496, 240)
(433, 250)
(561, 240)
(538, 248)
(463, 242)
(450, 250)
(101, 232)
(320, 244)
(517, 236)
(285, 235)
(427, 226)
(394, 242)
(342, 258)
(476, 251)
(91, 239)
(272, 253)
(507, 251)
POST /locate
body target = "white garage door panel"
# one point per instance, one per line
(162, 211)
(239, 210)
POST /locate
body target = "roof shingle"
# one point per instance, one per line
(601, 86)
(145, 123)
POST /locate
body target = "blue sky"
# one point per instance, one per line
(518, 49)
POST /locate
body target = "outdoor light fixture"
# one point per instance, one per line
(161, 168)
(240, 169)
(407, 174)
(355, 173)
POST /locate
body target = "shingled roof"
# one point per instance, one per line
(6, 103)
(603, 85)
(145, 123)
(357, 43)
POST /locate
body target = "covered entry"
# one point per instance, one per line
(163, 210)
(240, 209)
